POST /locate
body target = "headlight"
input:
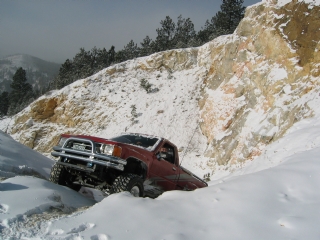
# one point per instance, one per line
(62, 141)
(111, 150)
(107, 149)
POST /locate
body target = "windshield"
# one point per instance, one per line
(148, 142)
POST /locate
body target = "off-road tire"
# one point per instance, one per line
(128, 182)
(60, 175)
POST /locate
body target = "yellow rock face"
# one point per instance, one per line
(275, 54)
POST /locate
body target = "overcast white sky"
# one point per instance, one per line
(55, 30)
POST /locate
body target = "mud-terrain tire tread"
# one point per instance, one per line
(126, 182)
(55, 174)
(59, 176)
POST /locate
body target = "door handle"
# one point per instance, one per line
(174, 169)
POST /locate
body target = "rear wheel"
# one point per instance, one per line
(61, 176)
(128, 182)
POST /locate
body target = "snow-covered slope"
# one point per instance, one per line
(279, 202)
(38, 71)
(17, 159)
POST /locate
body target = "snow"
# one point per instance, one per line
(39, 195)
(277, 74)
(16, 159)
(274, 197)
(281, 3)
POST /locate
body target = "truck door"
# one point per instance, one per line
(164, 172)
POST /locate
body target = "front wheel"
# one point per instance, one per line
(61, 176)
(128, 182)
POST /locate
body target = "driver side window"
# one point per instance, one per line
(167, 153)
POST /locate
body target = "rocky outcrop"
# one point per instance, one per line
(244, 90)
(269, 65)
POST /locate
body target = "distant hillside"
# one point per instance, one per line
(39, 72)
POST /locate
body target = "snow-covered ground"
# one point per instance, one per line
(275, 197)
(17, 159)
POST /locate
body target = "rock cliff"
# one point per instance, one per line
(257, 81)
(221, 103)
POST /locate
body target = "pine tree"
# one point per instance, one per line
(65, 75)
(131, 50)
(4, 103)
(111, 55)
(21, 93)
(120, 56)
(21, 90)
(205, 32)
(165, 35)
(232, 13)
(146, 46)
(184, 33)
(82, 63)
(224, 22)
(93, 60)
(102, 60)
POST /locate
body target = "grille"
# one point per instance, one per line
(83, 146)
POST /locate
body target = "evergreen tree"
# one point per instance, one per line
(65, 75)
(21, 94)
(21, 90)
(120, 56)
(184, 33)
(146, 46)
(131, 50)
(102, 59)
(82, 63)
(93, 60)
(224, 22)
(232, 12)
(165, 35)
(4, 103)
(205, 32)
(111, 55)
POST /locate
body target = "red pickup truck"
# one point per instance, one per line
(141, 164)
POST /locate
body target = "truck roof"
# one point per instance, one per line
(148, 142)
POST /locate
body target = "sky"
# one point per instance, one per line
(56, 30)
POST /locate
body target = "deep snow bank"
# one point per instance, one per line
(27, 201)
(17, 159)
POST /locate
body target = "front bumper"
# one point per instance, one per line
(88, 156)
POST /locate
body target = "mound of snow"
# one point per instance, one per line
(17, 159)
(27, 200)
